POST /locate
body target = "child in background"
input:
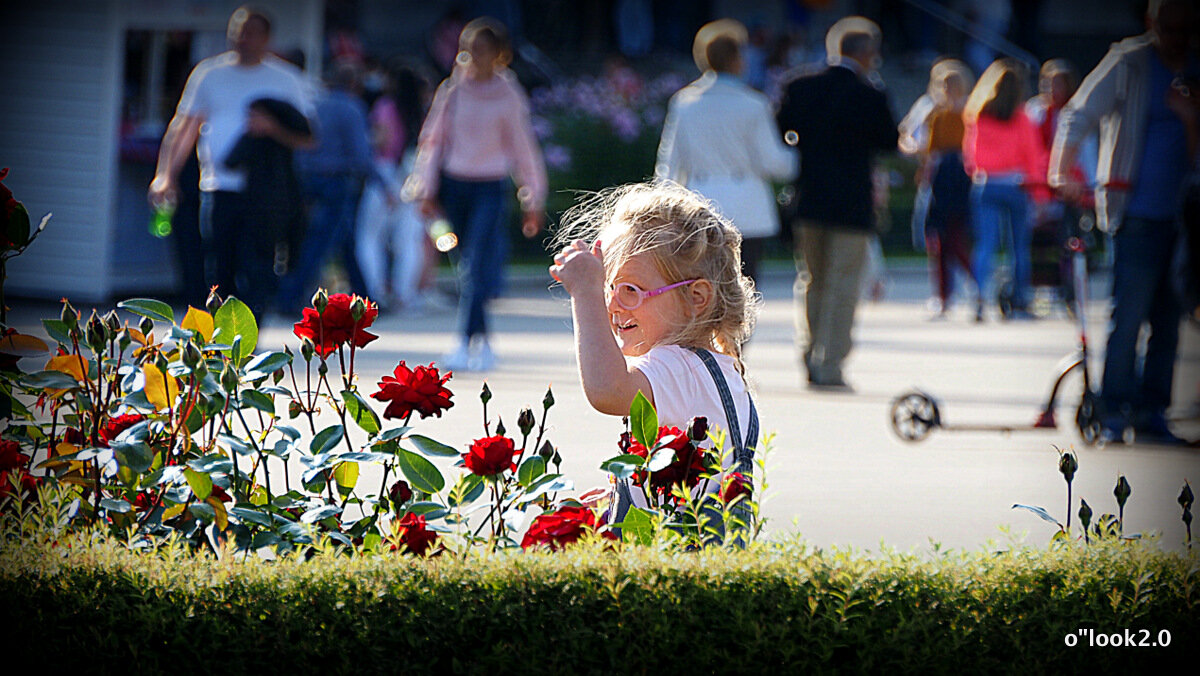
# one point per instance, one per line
(660, 306)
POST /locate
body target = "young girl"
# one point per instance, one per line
(661, 307)
(476, 135)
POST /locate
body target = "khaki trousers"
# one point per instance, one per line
(830, 263)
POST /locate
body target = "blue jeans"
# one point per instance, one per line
(1142, 293)
(333, 205)
(478, 211)
(241, 250)
(992, 203)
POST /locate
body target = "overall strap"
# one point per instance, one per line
(743, 450)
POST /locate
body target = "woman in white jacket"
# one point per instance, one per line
(720, 140)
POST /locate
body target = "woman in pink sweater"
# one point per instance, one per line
(476, 136)
(1004, 155)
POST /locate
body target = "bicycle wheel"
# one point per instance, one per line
(914, 415)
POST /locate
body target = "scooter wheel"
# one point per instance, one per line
(914, 415)
(1087, 420)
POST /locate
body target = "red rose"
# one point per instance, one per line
(113, 428)
(220, 494)
(421, 389)
(490, 456)
(28, 485)
(336, 326)
(736, 484)
(145, 501)
(11, 456)
(686, 469)
(561, 528)
(412, 533)
(400, 493)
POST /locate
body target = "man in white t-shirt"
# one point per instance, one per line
(215, 110)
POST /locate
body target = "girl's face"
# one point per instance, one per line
(656, 318)
(483, 55)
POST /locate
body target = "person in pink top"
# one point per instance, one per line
(1004, 155)
(476, 135)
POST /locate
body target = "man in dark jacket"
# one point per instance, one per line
(840, 120)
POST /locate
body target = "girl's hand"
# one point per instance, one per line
(580, 268)
(532, 222)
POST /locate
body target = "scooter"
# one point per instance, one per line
(915, 414)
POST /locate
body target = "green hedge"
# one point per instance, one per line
(104, 608)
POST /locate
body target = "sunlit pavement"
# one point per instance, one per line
(837, 474)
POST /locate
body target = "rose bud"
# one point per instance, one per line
(357, 308)
(229, 379)
(69, 316)
(124, 339)
(294, 409)
(95, 332)
(113, 322)
(500, 430)
(557, 459)
(307, 349)
(485, 395)
(191, 355)
(1067, 464)
(525, 421)
(213, 302)
(323, 369)
(200, 369)
(320, 300)
(546, 451)
(1185, 496)
(400, 493)
(1122, 491)
(146, 326)
(1085, 513)
(548, 400)
(697, 429)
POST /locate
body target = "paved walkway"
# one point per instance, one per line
(837, 474)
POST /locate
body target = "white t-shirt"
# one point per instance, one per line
(220, 92)
(683, 389)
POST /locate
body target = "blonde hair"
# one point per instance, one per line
(686, 238)
(718, 45)
(999, 92)
(852, 36)
(944, 71)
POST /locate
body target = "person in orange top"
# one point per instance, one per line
(1004, 155)
(947, 220)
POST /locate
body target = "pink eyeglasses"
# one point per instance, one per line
(631, 296)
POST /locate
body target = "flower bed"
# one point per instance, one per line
(92, 603)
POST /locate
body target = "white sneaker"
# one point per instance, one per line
(458, 360)
(482, 358)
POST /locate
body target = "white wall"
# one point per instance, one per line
(58, 118)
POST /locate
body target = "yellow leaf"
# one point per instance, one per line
(139, 336)
(161, 389)
(70, 364)
(199, 321)
(219, 510)
(172, 512)
(20, 345)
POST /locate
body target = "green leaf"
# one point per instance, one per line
(326, 439)
(318, 513)
(421, 473)
(638, 526)
(623, 466)
(203, 511)
(148, 307)
(1040, 511)
(643, 420)
(531, 468)
(346, 474)
(466, 490)
(56, 329)
(240, 447)
(435, 449)
(661, 458)
(16, 230)
(364, 456)
(136, 456)
(430, 510)
(114, 505)
(259, 401)
(246, 514)
(234, 319)
(50, 379)
(265, 364)
(394, 433)
(548, 483)
(200, 483)
(361, 412)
